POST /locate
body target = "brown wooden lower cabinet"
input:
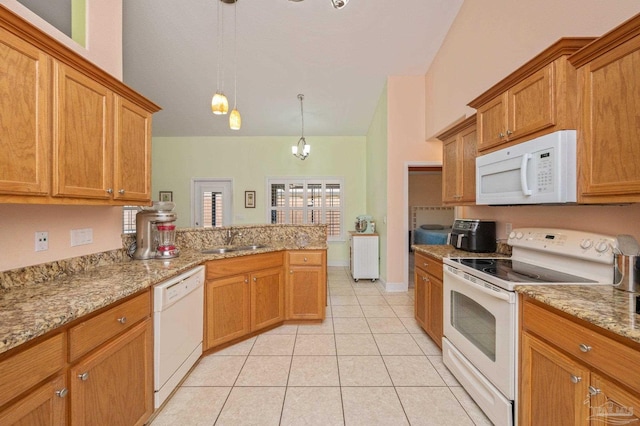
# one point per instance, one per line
(267, 298)
(45, 405)
(572, 374)
(428, 307)
(306, 292)
(227, 310)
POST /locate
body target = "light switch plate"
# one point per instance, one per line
(80, 237)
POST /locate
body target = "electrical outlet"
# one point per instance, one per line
(508, 228)
(42, 241)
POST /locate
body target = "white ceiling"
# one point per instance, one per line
(339, 59)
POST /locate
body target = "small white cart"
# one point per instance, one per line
(364, 257)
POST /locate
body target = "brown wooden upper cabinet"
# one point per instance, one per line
(609, 119)
(459, 163)
(537, 98)
(71, 133)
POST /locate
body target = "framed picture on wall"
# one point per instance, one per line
(249, 199)
(166, 196)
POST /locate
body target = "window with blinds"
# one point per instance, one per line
(211, 209)
(129, 219)
(308, 201)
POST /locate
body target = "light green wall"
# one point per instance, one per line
(249, 161)
(377, 175)
(79, 21)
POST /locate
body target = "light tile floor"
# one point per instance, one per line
(369, 363)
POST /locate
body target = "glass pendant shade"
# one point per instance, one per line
(235, 121)
(219, 104)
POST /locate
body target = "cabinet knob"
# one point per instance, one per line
(121, 192)
(62, 392)
(575, 379)
(122, 320)
(83, 376)
(426, 265)
(509, 132)
(585, 348)
(305, 259)
(593, 391)
(246, 280)
(110, 191)
(291, 271)
(255, 279)
(501, 135)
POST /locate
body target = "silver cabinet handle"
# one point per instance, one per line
(122, 320)
(83, 376)
(575, 379)
(426, 265)
(593, 391)
(246, 280)
(255, 279)
(509, 132)
(121, 192)
(62, 392)
(585, 348)
(110, 191)
(501, 135)
(305, 259)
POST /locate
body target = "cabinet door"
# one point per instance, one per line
(267, 298)
(608, 152)
(531, 104)
(420, 307)
(611, 404)
(450, 170)
(305, 292)
(553, 387)
(227, 313)
(492, 122)
(132, 152)
(114, 385)
(435, 310)
(467, 176)
(25, 132)
(43, 406)
(83, 123)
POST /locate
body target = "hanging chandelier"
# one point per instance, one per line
(302, 149)
(235, 121)
(219, 102)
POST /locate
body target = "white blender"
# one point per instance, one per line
(365, 224)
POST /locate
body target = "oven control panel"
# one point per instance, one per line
(577, 244)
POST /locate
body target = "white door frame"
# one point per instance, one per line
(227, 183)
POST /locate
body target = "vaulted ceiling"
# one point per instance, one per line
(339, 59)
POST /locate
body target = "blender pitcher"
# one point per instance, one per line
(166, 237)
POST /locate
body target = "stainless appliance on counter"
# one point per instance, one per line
(480, 343)
(365, 224)
(156, 232)
(473, 235)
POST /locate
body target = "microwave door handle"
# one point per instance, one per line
(523, 174)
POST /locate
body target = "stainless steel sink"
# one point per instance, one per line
(223, 250)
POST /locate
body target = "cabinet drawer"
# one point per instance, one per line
(305, 258)
(27, 368)
(600, 352)
(93, 332)
(243, 264)
(429, 264)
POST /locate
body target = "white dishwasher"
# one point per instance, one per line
(178, 306)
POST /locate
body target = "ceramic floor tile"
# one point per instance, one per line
(343, 300)
(386, 325)
(347, 312)
(372, 301)
(412, 371)
(356, 344)
(412, 325)
(315, 344)
(363, 371)
(367, 291)
(328, 312)
(193, 406)
(432, 406)
(242, 348)
(341, 291)
(397, 344)
(350, 325)
(265, 371)
(216, 371)
(374, 311)
(273, 345)
(325, 327)
(372, 406)
(252, 406)
(397, 300)
(312, 406)
(444, 372)
(283, 329)
(314, 371)
(426, 344)
(404, 311)
(470, 406)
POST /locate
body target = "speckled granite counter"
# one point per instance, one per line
(29, 311)
(442, 251)
(600, 305)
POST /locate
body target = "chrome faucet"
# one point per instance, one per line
(230, 236)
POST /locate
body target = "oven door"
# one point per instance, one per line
(480, 321)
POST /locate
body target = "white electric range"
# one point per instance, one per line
(481, 313)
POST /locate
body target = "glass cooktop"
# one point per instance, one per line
(519, 272)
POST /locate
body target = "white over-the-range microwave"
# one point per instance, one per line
(542, 170)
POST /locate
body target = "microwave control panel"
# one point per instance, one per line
(544, 171)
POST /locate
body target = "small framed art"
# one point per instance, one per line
(249, 199)
(166, 196)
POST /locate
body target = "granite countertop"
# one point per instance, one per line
(30, 311)
(600, 305)
(442, 251)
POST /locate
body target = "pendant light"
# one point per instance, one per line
(302, 149)
(339, 4)
(235, 121)
(219, 102)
